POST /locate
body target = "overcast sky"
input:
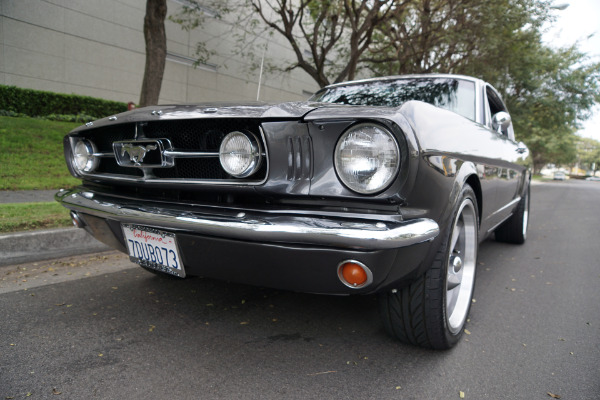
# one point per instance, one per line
(575, 24)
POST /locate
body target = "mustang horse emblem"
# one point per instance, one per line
(136, 152)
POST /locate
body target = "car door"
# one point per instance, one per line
(503, 175)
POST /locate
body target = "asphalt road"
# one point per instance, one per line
(93, 327)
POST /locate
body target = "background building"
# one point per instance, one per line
(96, 48)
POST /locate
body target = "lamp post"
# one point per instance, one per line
(561, 7)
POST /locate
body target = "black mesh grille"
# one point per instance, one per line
(110, 166)
(103, 138)
(191, 135)
(198, 135)
(190, 167)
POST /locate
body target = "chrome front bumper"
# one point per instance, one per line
(253, 226)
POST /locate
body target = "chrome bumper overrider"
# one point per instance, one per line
(255, 226)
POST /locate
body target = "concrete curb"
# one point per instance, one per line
(23, 247)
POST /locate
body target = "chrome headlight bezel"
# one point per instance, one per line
(84, 159)
(367, 158)
(240, 147)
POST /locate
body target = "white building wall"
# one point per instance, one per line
(96, 48)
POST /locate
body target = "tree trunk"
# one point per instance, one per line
(156, 51)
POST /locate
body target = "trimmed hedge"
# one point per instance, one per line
(81, 118)
(36, 103)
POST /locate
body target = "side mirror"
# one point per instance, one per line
(522, 148)
(501, 122)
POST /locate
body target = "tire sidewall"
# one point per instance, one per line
(437, 280)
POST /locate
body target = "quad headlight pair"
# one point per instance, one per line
(367, 157)
(240, 155)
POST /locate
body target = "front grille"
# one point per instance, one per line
(184, 134)
(192, 135)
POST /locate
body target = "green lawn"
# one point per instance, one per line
(31, 157)
(28, 216)
(31, 154)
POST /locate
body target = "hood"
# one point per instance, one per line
(261, 110)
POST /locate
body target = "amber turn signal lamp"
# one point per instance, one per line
(354, 274)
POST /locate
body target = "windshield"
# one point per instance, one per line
(453, 94)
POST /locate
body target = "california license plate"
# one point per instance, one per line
(153, 248)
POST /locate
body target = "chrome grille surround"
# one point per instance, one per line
(189, 151)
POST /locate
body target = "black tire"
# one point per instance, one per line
(432, 311)
(514, 229)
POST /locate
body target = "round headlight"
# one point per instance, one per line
(239, 154)
(84, 158)
(367, 158)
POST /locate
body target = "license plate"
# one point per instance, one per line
(153, 248)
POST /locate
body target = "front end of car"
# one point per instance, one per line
(277, 196)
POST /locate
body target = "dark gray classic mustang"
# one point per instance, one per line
(376, 186)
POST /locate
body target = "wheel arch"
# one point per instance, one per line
(473, 181)
(467, 175)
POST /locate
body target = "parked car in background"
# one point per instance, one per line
(381, 186)
(559, 176)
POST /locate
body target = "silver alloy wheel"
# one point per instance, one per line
(526, 215)
(460, 277)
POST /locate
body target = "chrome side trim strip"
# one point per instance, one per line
(510, 204)
(257, 227)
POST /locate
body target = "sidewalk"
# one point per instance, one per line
(22, 247)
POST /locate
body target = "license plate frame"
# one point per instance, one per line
(153, 248)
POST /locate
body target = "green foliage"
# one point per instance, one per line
(588, 154)
(28, 216)
(80, 118)
(32, 154)
(36, 103)
(446, 35)
(193, 15)
(549, 91)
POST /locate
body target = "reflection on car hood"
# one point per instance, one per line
(244, 110)
(210, 110)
